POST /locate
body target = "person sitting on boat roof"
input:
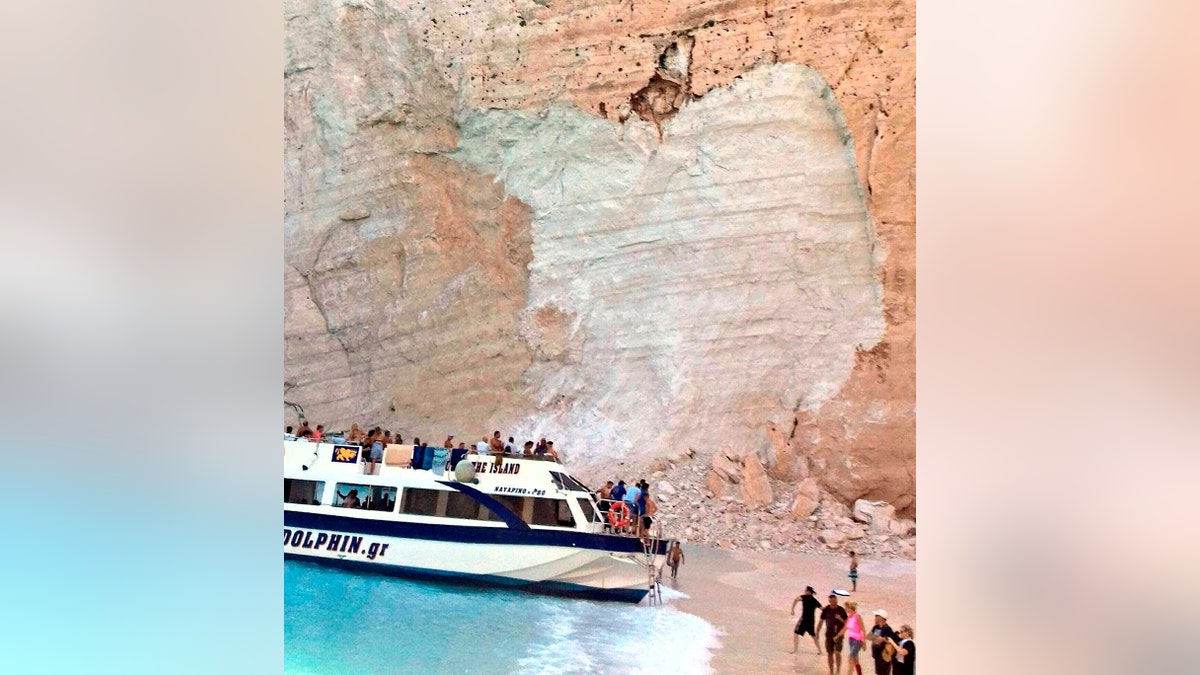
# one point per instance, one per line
(319, 433)
(529, 448)
(495, 444)
(355, 435)
(304, 427)
(550, 450)
(287, 433)
(541, 447)
(351, 500)
(510, 447)
(482, 446)
(449, 444)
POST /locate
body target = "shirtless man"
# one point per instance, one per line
(496, 447)
(675, 559)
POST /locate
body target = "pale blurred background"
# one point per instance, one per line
(141, 350)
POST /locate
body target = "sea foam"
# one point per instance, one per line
(338, 622)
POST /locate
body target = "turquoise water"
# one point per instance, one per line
(341, 622)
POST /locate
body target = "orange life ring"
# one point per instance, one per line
(618, 514)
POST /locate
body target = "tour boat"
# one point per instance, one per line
(502, 521)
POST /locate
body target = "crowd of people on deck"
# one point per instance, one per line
(627, 509)
(376, 440)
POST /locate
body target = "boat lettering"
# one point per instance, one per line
(519, 490)
(337, 543)
(489, 467)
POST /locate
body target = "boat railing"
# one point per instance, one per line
(603, 506)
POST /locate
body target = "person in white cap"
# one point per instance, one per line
(881, 651)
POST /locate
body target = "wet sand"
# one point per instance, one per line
(747, 596)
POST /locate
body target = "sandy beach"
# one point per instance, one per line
(747, 596)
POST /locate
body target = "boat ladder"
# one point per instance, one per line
(654, 581)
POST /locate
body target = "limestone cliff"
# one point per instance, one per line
(627, 226)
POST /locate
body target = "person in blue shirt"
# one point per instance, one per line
(618, 493)
(632, 495)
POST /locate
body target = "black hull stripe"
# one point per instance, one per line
(466, 534)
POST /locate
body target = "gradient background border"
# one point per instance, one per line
(141, 351)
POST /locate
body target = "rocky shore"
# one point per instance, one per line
(728, 499)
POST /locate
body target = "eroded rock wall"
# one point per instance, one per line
(629, 225)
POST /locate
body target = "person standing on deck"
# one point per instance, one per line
(496, 447)
(809, 604)
(617, 494)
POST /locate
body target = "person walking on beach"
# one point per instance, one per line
(807, 623)
(881, 651)
(853, 571)
(675, 558)
(834, 618)
(905, 662)
(854, 633)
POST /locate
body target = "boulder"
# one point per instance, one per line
(665, 488)
(865, 511)
(831, 538)
(724, 474)
(756, 489)
(807, 499)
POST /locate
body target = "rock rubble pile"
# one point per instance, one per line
(726, 498)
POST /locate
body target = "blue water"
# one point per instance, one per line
(342, 622)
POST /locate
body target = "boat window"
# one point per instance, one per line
(420, 502)
(564, 482)
(460, 505)
(552, 512)
(297, 491)
(514, 503)
(360, 496)
(589, 512)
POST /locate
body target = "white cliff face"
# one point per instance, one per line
(694, 289)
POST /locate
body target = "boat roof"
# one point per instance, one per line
(346, 463)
